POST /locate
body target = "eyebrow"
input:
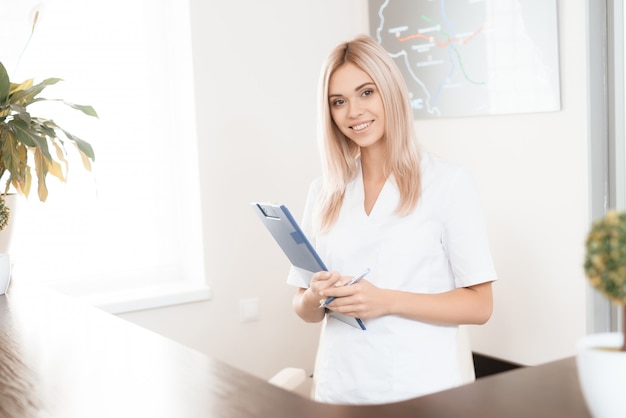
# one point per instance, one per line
(356, 89)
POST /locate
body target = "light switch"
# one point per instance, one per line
(249, 310)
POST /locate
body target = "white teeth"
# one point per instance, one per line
(360, 126)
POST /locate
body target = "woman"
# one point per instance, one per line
(414, 220)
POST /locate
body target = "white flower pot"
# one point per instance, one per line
(602, 374)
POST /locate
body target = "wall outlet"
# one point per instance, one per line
(248, 310)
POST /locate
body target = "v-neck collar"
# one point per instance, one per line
(384, 202)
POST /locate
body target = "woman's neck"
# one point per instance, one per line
(373, 165)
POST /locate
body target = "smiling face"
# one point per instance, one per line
(356, 105)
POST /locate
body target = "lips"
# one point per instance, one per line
(360, 126)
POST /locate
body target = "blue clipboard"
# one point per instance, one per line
(289, 236)
(287, 233)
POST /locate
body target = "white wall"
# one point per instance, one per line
(256, 67)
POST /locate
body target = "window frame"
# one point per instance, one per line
(170, 24)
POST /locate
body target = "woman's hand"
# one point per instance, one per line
(306, 302)
(360, 300)
(323, 280)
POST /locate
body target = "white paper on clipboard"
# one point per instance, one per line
(289, 236)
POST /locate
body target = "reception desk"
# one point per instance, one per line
(60, 358)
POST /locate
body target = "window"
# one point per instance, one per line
(127, 236)
(605, 49)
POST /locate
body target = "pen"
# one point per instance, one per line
(351, 282)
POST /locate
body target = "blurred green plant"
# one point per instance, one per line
(605, 260)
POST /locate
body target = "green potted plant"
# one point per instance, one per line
(605, 262)
(29, 142)
(601, 357)
(31, 145)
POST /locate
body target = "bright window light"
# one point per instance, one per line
(134, 223)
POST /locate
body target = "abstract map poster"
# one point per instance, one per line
(472, 57)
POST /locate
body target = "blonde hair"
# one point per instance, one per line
(339, 153)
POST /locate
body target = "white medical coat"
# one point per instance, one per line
(440, 246)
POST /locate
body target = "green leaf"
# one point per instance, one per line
(85, 160)
(27, 96)
(83, 146)
(61, 157)
(45, 127)
(21, 131)
(54, 168)
(5, 84)
(14, 160)
(20, 112)
(22, 184)
(41, 167)
(30, 136)
(10, 155)
(86, 109)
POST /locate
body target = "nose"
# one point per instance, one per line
(355, 108)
